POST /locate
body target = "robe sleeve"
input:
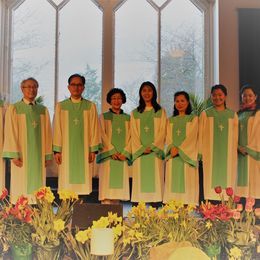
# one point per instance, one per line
(188, 150)
(107, 148)
(202, 124)
(159, 136)
(11, 140)
(94, 137)
(137, 147)
(48, 141)
(253, 147)
(57, 130)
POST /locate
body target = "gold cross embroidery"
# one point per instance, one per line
(76, 121)
(221, 127)
(34, 124)
(119, 130)
(146, 129)
(178, 132)
(241, 127)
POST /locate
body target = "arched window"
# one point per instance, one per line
(114, 43)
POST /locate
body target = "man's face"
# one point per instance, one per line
(76, 87)
(29, 89)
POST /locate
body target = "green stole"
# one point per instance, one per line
(147, 161)
(242, 178)
(1, 103)
(77, 154)
(118, 141)
(220, 145)
(178, 136)
(34, 145)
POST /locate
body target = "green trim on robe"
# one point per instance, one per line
(48, 157)
(118, 138)
(11, 155)
(95, 148)
(116, 176)
(147, 120)
(76, 131)
(1, 103)
(147, 173)
(101, 157)
(187, 159)
(56, 148)
(34, 145)
(178, 180)
(220, 145)
(242, 178)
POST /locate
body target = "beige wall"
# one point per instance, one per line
(228, 46)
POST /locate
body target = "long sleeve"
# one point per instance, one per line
(107, 148)
(57, 130)
(160, 133)
(48, 134)
(94, 138)
(11, 140)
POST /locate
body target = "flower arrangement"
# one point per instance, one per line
(16, 221)
(147, 227)
(50, 219)
(80, 242)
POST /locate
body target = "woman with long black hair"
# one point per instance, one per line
(148, 129)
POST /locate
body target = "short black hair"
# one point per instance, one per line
(113, 91)
(76, 75)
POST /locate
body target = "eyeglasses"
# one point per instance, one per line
(79, 85)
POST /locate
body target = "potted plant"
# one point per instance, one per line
(49, 220)
(16, 226)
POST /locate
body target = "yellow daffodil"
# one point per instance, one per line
(235, 252)
(82, 236)
(59, 225)
(208, 225)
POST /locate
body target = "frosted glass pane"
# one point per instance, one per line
(182, 62)
(136, 46)
(33, 48)
(80, 47)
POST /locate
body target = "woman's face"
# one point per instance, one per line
(181, 103)
(147, 93)
(248, 97)
(116, 101)
(218, 98)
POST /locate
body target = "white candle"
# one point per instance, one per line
(102, 241)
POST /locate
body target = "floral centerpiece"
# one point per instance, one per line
(49, 220)
(80, 241)
(241, 235)
(16, 225)
(216, 223)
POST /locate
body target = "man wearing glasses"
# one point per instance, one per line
(27, 142)
(76, 138)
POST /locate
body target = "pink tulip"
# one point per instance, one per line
(250, 201)
(236, 215)
(248, 208)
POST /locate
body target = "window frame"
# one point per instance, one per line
(109, 9)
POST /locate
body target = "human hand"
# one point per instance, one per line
(18, 162)
(58, 158)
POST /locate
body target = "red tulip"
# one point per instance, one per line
(229, 191)
(218, 189)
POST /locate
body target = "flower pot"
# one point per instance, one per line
(48, 252)
(21, 252)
